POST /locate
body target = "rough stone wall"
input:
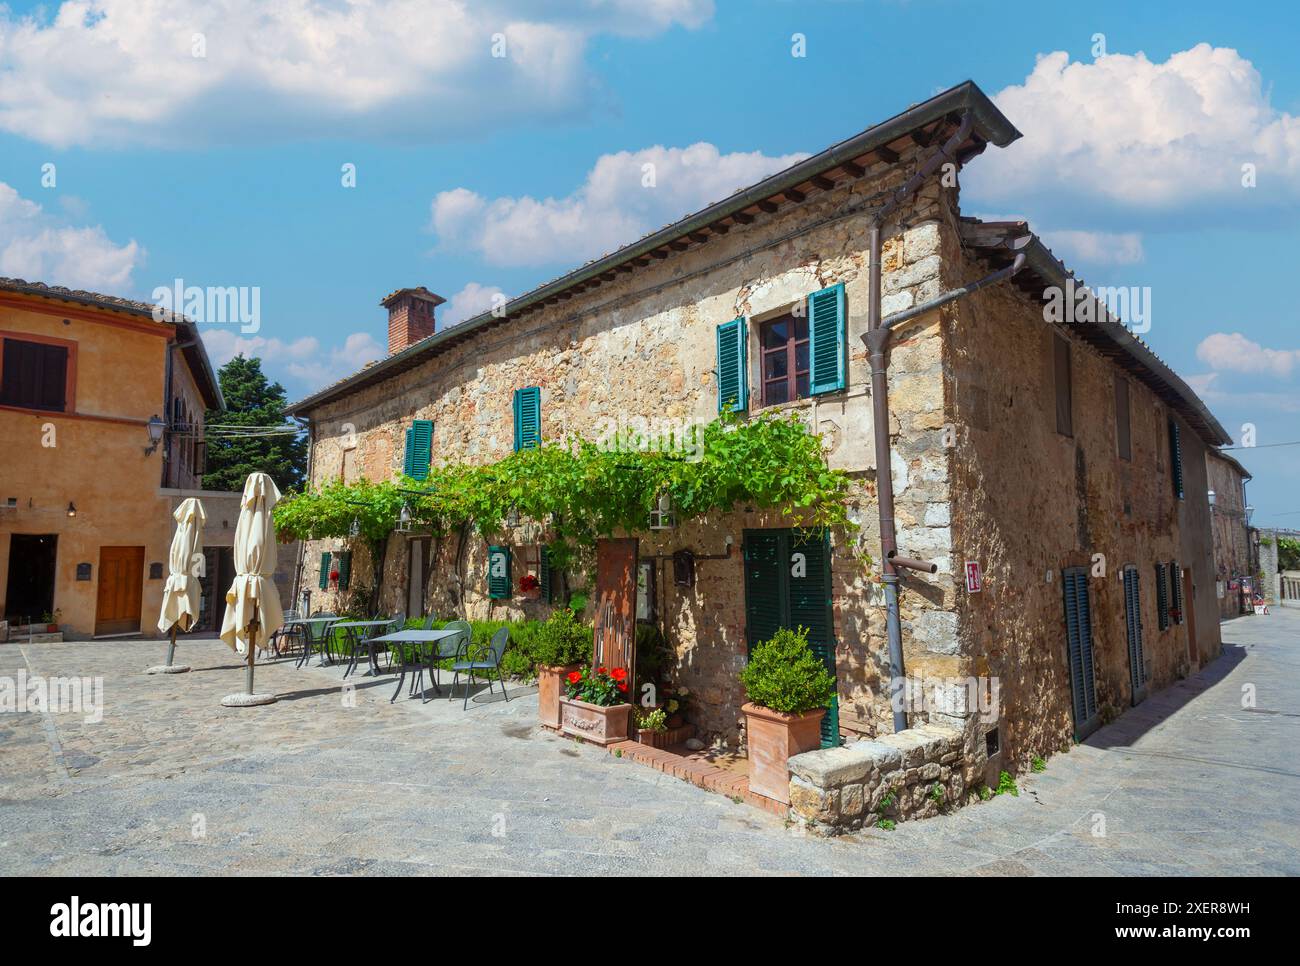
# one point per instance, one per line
(644, 346)
(1228, 523)
(1029, 502)
(1268, 564)
(911, 774)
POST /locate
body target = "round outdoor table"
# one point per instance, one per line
(351, 627)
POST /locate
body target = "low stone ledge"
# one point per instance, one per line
(911, 774)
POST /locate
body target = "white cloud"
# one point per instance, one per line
(616, 204)
(467, 303)
(1139, 134)
(124, 71)
(1097, 247)
(302, 364)
(1233, 352)
(40, 247)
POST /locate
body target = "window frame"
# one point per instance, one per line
(69, 370)
(791, 350)
(1064, 412)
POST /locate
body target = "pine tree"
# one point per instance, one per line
(252, 401)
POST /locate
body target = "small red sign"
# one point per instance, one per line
(974, 583)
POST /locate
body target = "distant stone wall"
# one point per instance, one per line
(906, 775)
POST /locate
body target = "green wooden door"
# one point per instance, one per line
(788, 584)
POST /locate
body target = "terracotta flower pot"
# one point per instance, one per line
(774, 737)
(550, 689)
(597, 724)
(655, 739)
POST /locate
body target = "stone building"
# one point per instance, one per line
(1051, 473)
(1234, 575)
(101, 419)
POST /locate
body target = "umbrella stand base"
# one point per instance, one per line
(167, 669)
(247, 700)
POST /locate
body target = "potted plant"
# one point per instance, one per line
(676, 697)
(596, 707)
(51, 619)
(562, 644)
(789, 690)
(651, 727)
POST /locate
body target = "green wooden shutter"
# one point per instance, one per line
(765, 586)
(1078, 638)
(827, 335)
(1162, 598)
(1133, 627)
(408, 456)
(1176, 588)
(810, 607)
(345, 570)
(733, 374)
(420, 446)
(498, 573)
(528, 418)
(324, 571)
(1176, 458)
(544, 574)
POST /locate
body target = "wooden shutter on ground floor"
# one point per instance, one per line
(324, 571)
(1176, 457)
(1079, 656)
(498, 573)
(1162, 598)
(1176, 589)
(1133, 631)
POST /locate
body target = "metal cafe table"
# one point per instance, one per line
(308, 624)
(429, 647)
(356, 640)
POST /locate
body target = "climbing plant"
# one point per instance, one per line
(581, 490)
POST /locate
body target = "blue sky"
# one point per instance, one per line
(477, 174)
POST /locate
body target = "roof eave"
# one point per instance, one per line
(990, 124)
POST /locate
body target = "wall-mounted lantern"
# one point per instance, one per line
(72, 509)
(1250, 510)
(155, 427)
(512, 517)
(1212, 497)
(404, 519)
(355, 529)
(663, 516)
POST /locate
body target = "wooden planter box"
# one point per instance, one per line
(773, 738)
(591, 722)
(550, 689)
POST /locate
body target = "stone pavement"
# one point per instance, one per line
(171, 783)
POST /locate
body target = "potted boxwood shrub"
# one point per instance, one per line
(596, 707)
(789, 690)
(563, 643)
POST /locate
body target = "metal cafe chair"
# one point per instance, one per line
(484, 659)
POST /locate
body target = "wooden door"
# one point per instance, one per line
(121, 581)
(615, 624)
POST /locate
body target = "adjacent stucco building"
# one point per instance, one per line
(1053, 473)
(86, 483)
(1234, 575)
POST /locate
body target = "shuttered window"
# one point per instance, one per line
(544, 578)
(498, 573)
(1123, 426)
(1078, 638)
(419, 449)
(34, 375)
(1176, 591)
(1162, 598)
(1176, 458)
(783, 362)
(733, 379)
(1133, 630)
(788, 584)
(528, 418)
(324, 571)
(827, 335)
(345, 570)
(1064, 391)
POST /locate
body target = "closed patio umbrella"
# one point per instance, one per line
(253, 611)
(180, 603)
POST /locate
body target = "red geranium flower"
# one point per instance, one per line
(622, 686)
(575, 677)
(529, 582)
(619, 673)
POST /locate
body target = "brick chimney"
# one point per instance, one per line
(410, 316)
